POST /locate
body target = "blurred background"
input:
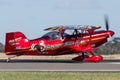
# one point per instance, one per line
(32, 16)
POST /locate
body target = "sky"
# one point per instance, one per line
(32, 16)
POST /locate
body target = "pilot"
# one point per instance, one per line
(55, 36)
(76, 32)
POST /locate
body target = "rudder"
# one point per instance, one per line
(15, 41)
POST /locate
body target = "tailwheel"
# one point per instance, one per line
(8, 60)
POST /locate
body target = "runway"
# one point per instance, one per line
(58, 65)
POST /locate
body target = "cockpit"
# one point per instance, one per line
(53, 35)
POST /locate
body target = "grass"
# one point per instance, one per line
(59, 75)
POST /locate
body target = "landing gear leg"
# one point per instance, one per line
(92, 53)
(83, 55)
(80, 57)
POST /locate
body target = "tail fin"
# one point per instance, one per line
(15, 41)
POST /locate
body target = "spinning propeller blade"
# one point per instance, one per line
(106, 22)
(107, 27)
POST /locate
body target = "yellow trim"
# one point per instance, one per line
(98, 38)
(7, 53)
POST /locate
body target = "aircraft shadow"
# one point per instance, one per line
(51, 61)
(38, 61)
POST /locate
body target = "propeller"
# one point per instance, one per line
(106, 22)
(107, 27)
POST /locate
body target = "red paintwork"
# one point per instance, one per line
(95, 58)
(18, 44)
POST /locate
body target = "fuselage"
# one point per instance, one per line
(55, 46)
(70, 43)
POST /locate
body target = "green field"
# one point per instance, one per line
(59, 75)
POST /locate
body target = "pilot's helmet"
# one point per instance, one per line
(54, 36)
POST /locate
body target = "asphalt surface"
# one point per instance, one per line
(58, 65)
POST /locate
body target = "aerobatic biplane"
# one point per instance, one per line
(82, 40)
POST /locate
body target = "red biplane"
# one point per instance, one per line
(83, 39)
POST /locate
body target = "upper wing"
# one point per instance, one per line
(72, 27)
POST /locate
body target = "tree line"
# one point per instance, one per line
(1, 47)
(111, 47)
